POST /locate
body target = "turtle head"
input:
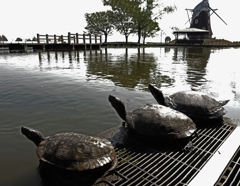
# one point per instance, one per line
(32, 134)
(118, 105)
(157, 94)
(224, 102)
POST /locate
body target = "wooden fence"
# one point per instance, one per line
(70, 39)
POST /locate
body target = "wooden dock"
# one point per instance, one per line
(57, 42)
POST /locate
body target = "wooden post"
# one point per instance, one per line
(62, 38)
(47, 38)
(95, 39)
(90, 39)
(100, 39)
(69, 37)
(38, 39)
(77, 38)
(84, 38)
(55, 39)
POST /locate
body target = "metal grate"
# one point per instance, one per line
(142, 162)
(231, 174)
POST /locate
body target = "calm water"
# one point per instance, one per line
(67, 91)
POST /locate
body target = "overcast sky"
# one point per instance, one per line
(26, 18)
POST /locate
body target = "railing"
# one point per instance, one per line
(70, 38)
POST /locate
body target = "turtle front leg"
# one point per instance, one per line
(188, 147)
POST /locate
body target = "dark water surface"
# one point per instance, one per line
(67, 91)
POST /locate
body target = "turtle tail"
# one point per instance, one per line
(32, 134)
(118, 105)
(157, 94)
(224, 102)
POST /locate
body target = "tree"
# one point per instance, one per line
(123, 15)
(140, 12)
(18, 39)
(167, 39)
(3, 38)
(150, 30)
(100, 23)
(34, 38)
(123, 24)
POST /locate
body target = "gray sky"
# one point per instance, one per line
(26, 18)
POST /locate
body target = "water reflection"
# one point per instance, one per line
(131, 70)
(196, 59)
(200, 69)
(136, 68)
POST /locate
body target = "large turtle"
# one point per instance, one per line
(194, 104)
(156, 121)
(70, 154)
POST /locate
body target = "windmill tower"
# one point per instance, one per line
(201, 18)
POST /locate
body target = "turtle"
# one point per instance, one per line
(69, 154)
(194, 104)
(157, 122)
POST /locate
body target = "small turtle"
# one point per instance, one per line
(156, 121)
(194, 104)
(72, 152)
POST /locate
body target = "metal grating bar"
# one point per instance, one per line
(148, 162)
(231, 174)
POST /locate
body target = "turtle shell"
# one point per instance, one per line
(161, 122)
(196, 105)
(80, 152)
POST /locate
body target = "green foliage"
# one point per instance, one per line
(60, 39)
(133, 16)
(34, 38)
(167, 39)
(100, 23)
(123, 20)
(18, 39)
(150, 30)
(3, 38)
(174, 28)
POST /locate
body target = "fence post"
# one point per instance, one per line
(47, 38)
(77, 38)
(62, 38)
(95, 39)
(69, 37)
(84, 38)
(90, 39)
(55, 39)
(38, 39)
(100, 39)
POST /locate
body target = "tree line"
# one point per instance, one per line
(4, 38)
(128, 17)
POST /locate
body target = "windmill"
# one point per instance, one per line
(201, 18)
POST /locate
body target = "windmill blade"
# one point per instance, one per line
(188, 17)
(192, 18)
(217, 15)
